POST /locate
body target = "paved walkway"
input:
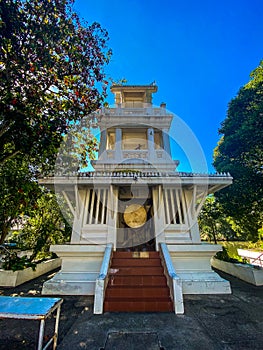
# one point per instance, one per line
(210, 322)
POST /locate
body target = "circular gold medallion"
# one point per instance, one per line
(135, 215)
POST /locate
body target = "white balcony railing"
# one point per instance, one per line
(135, 154)
(141, 111)
(132, 154)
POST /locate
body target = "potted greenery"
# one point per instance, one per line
(240, 269)
(16, 269)
(44, 227)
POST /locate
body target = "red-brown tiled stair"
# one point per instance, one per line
(137, 283)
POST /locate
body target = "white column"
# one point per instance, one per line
(112, 212)
(166, 142)
(78, 217)
(118, 148)
(103, 141)
(150, 138)
(159, 220)
(104, 197)
(191, 216)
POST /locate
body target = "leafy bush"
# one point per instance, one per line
(225, 256)
(232, 247)
(13, 262)
(45, 226)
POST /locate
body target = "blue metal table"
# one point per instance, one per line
(28, 308)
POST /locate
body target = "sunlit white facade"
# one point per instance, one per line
(135, 199)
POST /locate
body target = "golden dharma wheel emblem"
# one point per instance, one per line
(135, 215)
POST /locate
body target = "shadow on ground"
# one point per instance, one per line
(219, 322)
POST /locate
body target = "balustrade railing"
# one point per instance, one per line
(128, 110)
(102, 280)
(130, 173)
(135, 154)
(174, 281)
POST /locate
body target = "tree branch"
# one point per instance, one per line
(10, 156)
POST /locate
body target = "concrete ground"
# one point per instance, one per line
(229, 322)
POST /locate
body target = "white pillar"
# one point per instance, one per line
(159, 221)
(166, 142)
(191, 216)
(78, 216)
(112, 212)
(103, 141)
(118, 148)
(150, 138)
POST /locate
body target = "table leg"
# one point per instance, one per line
(56, 328)
(41, 335)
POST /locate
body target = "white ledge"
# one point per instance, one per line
(245, 272)
(15, 278)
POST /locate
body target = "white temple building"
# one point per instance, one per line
(135, 203)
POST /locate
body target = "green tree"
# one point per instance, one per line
(19, 186)
(19, 192)
(214, 224)
(77, 149)
(240, 152)
(51, 74)
(51, 80)
(45, 226)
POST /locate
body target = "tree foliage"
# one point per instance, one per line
(51, 73)
(45, 226)
(214, 223)
(240, 152)
(51, 79)
(77, 149)
(19, 192)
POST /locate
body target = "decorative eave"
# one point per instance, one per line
(210, 183)
(117, 87)
(133, 93)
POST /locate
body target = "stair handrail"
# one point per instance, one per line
(174, 281)
(102, 280)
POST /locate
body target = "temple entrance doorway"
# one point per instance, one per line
(135, 226)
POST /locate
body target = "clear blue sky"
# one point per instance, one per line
(199, 53)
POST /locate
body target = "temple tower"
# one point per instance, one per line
(135, 199)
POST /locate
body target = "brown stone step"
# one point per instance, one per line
(137, 280)
(136, 271)
(144, 293)
(160, 305)
(137, 283)
(135, 262)
(136, 255)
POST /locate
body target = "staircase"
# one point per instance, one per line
(137, 283)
